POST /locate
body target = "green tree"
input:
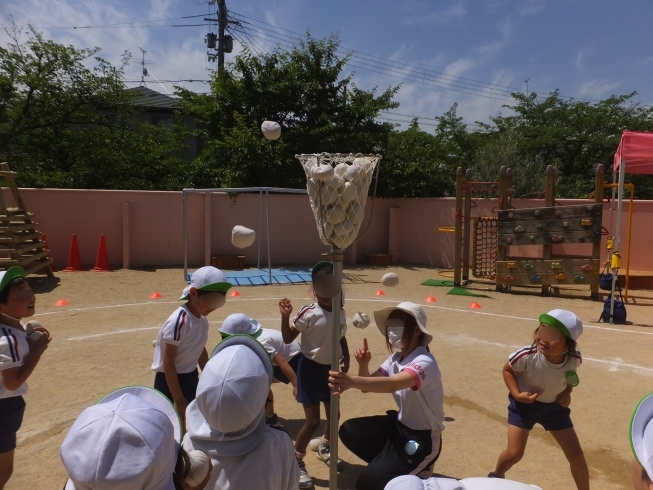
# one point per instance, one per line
(305, 91)
(65, 125)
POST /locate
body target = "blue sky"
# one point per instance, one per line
(482, 48)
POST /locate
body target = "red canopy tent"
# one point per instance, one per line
(634, 156)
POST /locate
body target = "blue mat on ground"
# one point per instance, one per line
(261, 277)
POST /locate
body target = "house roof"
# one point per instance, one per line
(153, 99)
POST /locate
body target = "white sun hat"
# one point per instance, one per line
(228, 416)
(412, 482)
(414, 310)
(129, 439)
(495, 484)
(240, 324)
(207, 278)
(641, 433)
(564, 321)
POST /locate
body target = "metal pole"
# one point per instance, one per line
(337, 256)
(222, 23)
(458, 238)
(617, 235)
(260, 206)
(184, 199)
(267, 210)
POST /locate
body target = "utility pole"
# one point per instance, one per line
(222, 24)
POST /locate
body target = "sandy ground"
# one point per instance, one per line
(102, 341)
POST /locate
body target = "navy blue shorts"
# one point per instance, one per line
(312, 382)
(11, 418)
(551, 416)
(187, 383)
(278, 373)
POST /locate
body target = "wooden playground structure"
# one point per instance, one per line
(483, 243)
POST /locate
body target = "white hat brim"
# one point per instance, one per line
(495, 484)
(640, 427)
(154, 398)
(381, 317)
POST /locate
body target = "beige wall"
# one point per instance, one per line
(154, 227)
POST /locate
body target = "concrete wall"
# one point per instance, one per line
(144, 228)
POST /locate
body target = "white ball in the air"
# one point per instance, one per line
(271, 130)
(242, 237)
(390, 279)
(360, 320)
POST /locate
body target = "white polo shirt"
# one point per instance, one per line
(424, 368)
(13, 350)
(271, 465)
(314, 323)
(273, 342)
(535, 373)
(186, 331)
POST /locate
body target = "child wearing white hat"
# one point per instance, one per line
(314, 323)
(20, 352)
(180, 345)
(285, 357)
(540, 378)
(131, 439)
(641, 442)
(407, 442)
(227, 421)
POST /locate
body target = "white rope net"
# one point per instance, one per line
(337, 185)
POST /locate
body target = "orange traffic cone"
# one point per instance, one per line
(155, 295)
(430, 299)
(74, 262)
(379, 293)
(62, 302)
(475, 305)
(234, 294)
(102, 260)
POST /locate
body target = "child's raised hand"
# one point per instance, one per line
(363, 355)
(285, 307)
(527, 397)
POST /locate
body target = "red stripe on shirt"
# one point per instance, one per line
(523, 354)
(180, 320)
(302, 312)
(418, 381)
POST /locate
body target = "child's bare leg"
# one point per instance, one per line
(570, 445)
(517, 439)
(312, 413)
(269, 405)
(6, 467)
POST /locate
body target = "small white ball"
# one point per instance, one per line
(271, 130)
(322, 172)
(336, 215)
(390, 280)
(30, 326)
(341, 169)
(242, 237)
(356, 213)
(349, 192)
(336, 182)
(360, 320)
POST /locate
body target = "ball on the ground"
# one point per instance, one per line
(242, 237)
(271, 130)
(390, 279)
(360, 320)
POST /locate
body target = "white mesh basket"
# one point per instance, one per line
(337, 185)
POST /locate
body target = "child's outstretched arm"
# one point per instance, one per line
(288, 332)
(340, 382)
(170, 370)
(510, 377)
(14, 377)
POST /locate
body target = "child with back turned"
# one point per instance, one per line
(540, 378)
(19, 355)
(314, 322)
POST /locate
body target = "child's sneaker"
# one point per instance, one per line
(324, 454)
(305, 480)
(314, 445)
